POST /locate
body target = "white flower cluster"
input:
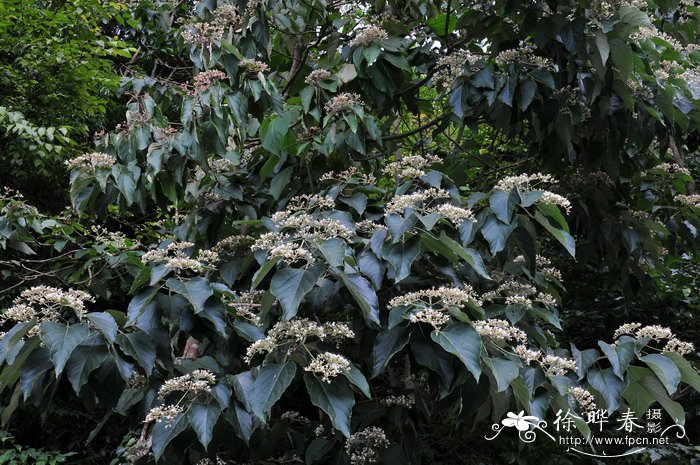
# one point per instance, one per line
(208, 461)
(363, 446)
(451, 66)
(368, 226)
(406, 401)
(232, 243)
(292, 252)
(672, 168)
(197, 382)
(203, 33)
(92, 161)
(204, 79)
(501, 330)
(525, 182)
(411, 166)
(174, 257)
(245, 304)
(298, 331)
(317, 76)
(115, 239)
(527, 355)
(656, 333)
(518, 293)
(557, 366)
(401, 202)
(293, 416)
(253, 66)
(342, 103)
(583, 398)
(328, 365)
(443, 296)
(310, 201)
(555, 199)
(455, 214)
(432, 305)
(645, 33)
(351, 174)
(163, 413)
(689, 200)
(368, 36)
(543, 264)
(45, 303)
(524, 55)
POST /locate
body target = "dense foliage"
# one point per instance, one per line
(331, 232)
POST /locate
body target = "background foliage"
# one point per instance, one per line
(288, 172)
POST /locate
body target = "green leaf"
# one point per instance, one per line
(202, 418)
(62, 340)
(105, 323)
(364, 294)
(273, 130)
(622, 58)
(440, 26)
(609, 386)
(335, 398)
(164, 432)
(496, 233)
(665, 370)
(196, 290)
(357, 379)
(584, 359)
(400, 257)
(386, 345)
(139, 346)
(637, 397)
(560, 235)
(84, 360)
(290, 285)
(504, 371)
(464, 342)
(264, 270)
(280, 181)
(269, 385)
(689, 375)
(658, 392)
(470, 256)
(619, 356)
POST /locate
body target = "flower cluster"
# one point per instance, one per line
(544, 265)
(406, 401)
(298, 331)
(524, 55)
(672, 168)
(174, 257)
(204, 80)
(363, 446)
(114, 239)
(203, 33)
(245, 304)
(317, 76)
(163, 413)
(253, 66)
(583, 398)
(232, 243)
(92, 161)
(293, 416)
(352, 174)
(368, 226)
(557, 366)
(208, 461)
(411, 166)
(518, 293)
(401, 202)
(328, 365)
(368, 36)
(689, 200)
(525, 182)
(197, 382)
(656, 333)
(45, 303)
(451, 66)
(527, 355)
(500, 330)
(342, 103)
(432, 305)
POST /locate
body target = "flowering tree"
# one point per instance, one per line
(312, 269)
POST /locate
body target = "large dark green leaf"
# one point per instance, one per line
(196, 290)
(335, 398)
(269, 385)
(84, 360)
(386, 345)
(290, 285)
(202, 418)
(62, 340)
(608, 384)
(464, 342)
(164, 432)
(139, 346)
(665, 370)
